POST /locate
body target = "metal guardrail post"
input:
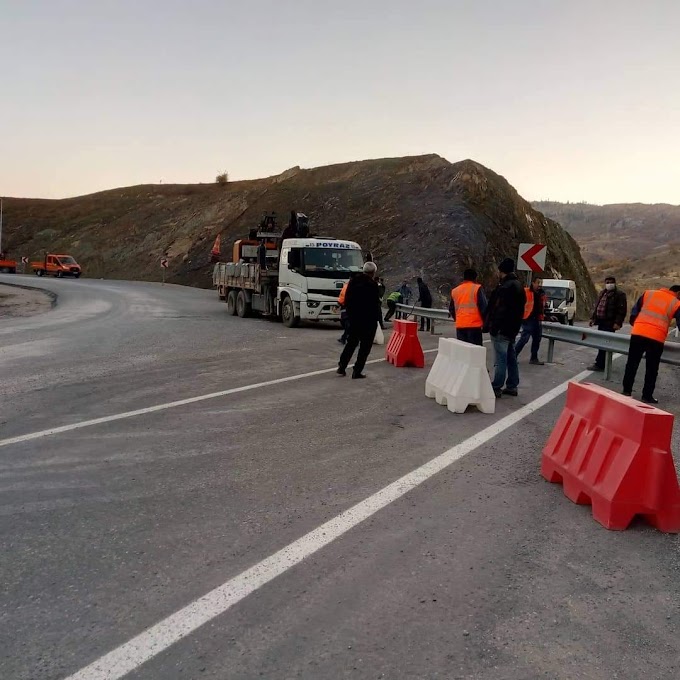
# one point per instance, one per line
(608, 366)
(551, 350)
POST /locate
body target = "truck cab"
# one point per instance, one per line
(312, 272)
(560, 300)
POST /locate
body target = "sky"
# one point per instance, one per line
(569, 100)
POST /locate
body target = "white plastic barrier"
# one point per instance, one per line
(459, 378)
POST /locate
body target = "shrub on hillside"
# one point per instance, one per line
(222, 178)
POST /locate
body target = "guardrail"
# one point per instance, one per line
(611, 343)
(425, 313)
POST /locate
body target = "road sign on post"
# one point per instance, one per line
(164, 266)
(531, 257)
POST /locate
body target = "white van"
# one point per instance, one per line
(560, 300)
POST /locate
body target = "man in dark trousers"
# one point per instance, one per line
(362, 301)
(468, 308)
(393, 299)
(503, 320)
(608, 315)
(425, 300)
(532, 328)
(651, 318)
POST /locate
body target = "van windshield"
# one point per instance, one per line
(331, 262)
(66, 259)
(556, 294)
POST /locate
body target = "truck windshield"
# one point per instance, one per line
(330, 262)
(67, 260)
(557, 294)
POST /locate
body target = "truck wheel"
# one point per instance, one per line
(231, 303)
(58, 275)
(243, 307)
(288, 314)
(77, 276)
(39, 272)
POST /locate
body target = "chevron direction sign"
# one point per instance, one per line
(531, 257)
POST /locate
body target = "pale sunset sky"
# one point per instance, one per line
(569, 100)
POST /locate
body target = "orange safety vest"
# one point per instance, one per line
(465, 301)
(529, 304)
(658, 309)
(343, 292)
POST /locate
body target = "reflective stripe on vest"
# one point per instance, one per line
(343, 292)
(658, 309)
(529, 304)
(465, 301)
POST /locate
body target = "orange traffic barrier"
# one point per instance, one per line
(404, 347)
(614, 453)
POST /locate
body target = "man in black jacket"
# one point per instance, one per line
(609, 315)
(425, 300)
(503, 320)
(362, 302)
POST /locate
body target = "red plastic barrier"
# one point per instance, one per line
(404, 347)
(615, 453)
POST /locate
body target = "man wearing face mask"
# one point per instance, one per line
(608, 315)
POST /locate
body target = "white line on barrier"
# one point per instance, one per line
(171, 404)
(154, 640)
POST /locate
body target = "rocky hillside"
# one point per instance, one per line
(419, 215)
(637, 243)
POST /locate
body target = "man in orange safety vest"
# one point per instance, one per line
(467, 308)
(532, 325)
(651, 318)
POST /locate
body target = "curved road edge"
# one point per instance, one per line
(54, 297)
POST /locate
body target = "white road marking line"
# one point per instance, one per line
(156, 639)
(172, 404)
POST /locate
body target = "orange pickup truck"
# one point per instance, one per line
(57, 265)
(7, 265)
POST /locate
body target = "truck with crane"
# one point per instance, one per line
(288, 275)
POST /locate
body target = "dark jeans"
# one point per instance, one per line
(471, 335)
(391, 309)
(531, 328)
(424, 322)
(344, 323)
(653, 349)
(361, 337)
(505, 363)
(603, 326)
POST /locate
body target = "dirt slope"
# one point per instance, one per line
(419, 215)
(637, 243)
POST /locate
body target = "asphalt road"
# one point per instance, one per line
(483, 571)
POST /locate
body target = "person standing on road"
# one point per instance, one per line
(381, 293)
(363, 312)
(651, 317)
(532, 327)
(503, 320)
(467, 308)
(425, 300)
(608, 315)
(344, 322)
(406, 293)
(393, 299)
